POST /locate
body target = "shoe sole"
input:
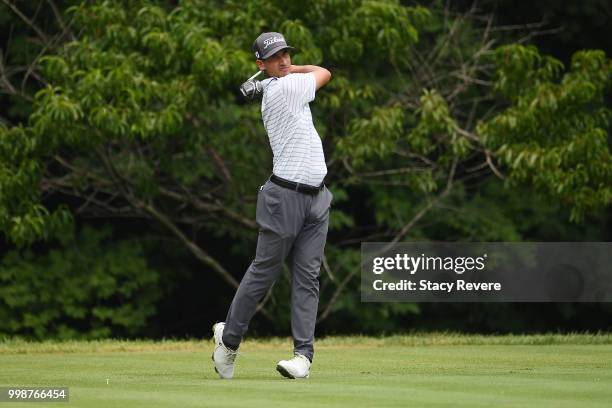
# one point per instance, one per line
(212, 357)
(283, 371)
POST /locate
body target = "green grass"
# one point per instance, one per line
(439, 370)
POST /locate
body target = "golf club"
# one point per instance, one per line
(251, 88)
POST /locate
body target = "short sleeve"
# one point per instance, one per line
(299, 89)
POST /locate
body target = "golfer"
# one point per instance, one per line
(292, 210)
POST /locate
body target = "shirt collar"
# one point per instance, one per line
(267, 81)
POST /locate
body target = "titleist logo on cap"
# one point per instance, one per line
(269, 43)
(272, 40)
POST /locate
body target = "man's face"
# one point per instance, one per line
(277, 65)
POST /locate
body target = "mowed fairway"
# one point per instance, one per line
(401, 371)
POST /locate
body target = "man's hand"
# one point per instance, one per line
(322, 76)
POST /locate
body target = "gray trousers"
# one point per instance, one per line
(292, 226)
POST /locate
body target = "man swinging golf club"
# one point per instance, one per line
(292, 209)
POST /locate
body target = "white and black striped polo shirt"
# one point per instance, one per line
(296, 145)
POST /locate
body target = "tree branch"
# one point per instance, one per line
(203, 206)
(26, 20)
(7, 87)
(60, 20)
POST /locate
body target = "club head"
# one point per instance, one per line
(252, 89)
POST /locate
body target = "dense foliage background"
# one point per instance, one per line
(129, 165)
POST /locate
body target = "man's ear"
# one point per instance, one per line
(260, 65)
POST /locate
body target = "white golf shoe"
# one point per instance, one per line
(297, 367)
(223, 357)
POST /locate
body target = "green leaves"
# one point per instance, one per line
(435, 122)
(161, 45)
(86, 288)
(522, 67)
(23, 219)
(61, 109)
(389, 26)
(374, 136)
(55, 67)
(554, 135)
(591, 65)
(302, 38)
(373, 31)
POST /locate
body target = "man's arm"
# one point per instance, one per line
(322, 76)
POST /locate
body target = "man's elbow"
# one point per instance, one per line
(328, 75)
(323, 76)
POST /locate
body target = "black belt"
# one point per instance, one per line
(299, 187)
